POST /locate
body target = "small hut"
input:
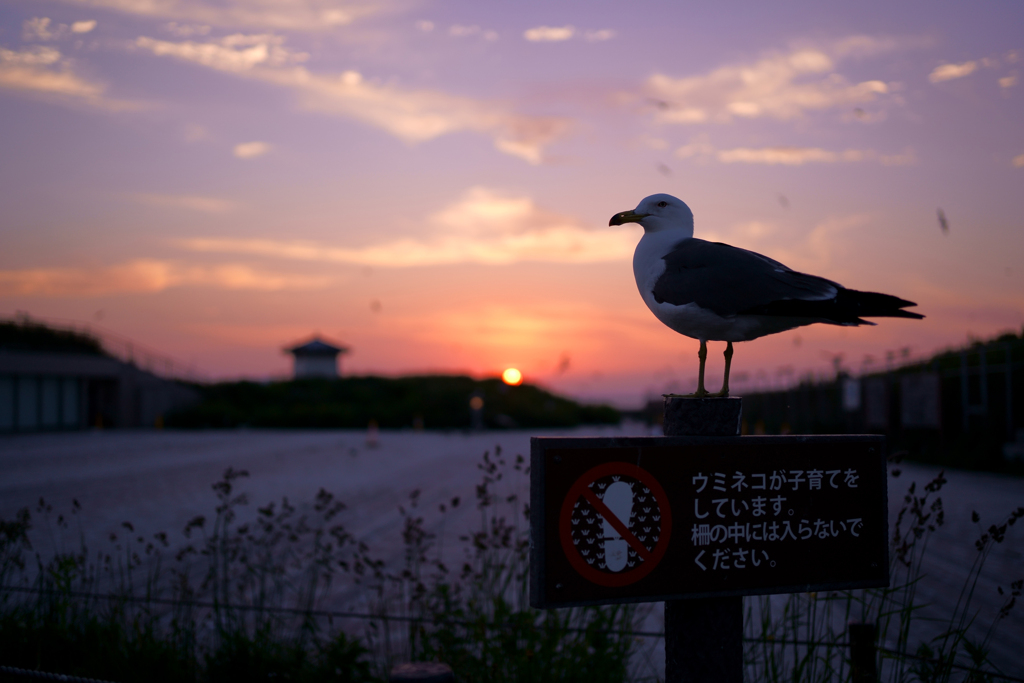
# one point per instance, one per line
(317, 358)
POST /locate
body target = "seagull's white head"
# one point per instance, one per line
(658, 212)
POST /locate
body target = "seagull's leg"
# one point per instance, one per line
(703, 355)
(728, 363)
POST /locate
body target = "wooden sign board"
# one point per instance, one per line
(616, 520)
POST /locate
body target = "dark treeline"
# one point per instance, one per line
(26, 335)
(431, 402)
(961, 408)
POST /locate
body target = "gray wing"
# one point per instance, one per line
(728, 280)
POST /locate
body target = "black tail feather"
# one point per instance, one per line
(875, 305)
(847, 308)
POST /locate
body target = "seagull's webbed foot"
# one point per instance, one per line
(693, 395)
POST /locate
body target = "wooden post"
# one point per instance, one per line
(862, 652)
(703, 637)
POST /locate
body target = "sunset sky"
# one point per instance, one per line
(430, 183)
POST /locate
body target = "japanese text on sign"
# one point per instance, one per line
(743, 499)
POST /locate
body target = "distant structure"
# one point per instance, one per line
(317, 358)
(54, 379)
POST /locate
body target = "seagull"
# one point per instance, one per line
(711, 291)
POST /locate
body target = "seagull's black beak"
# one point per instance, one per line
(627, 217)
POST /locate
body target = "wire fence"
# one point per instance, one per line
(47, 676)
(959, 667)
(344, 614)
(294, 611)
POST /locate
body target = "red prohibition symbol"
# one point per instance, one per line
(602, 546)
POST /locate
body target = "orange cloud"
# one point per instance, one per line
(481, 227)
(701, 149)
(44, 72)
(780, 86)
(147, 275)
(297, 15)
(251, 150)
(549, 34)
(948, 72)
(410, 115)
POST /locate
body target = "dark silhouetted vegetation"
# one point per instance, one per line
(26, 335)
(989, 374)
(236, 602)
(433, 402)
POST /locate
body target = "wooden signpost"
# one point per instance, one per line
(697, 520)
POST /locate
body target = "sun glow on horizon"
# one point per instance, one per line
(512, 377)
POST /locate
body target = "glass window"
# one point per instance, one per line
(6, 403)
(69, 414)
(51, 402)
(28, 403)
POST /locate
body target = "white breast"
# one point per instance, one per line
(648, 264)
(690, 319)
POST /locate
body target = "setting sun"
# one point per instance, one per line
(512, 377)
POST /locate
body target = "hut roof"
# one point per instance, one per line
(316, 347)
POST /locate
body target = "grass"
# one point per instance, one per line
(121, 616)
(477, 617)
(813, 625)
(240, 600)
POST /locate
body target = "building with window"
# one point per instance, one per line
(317, 358)
(64, 379)
(42, 391)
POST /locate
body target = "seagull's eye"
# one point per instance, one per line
(662, 204)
